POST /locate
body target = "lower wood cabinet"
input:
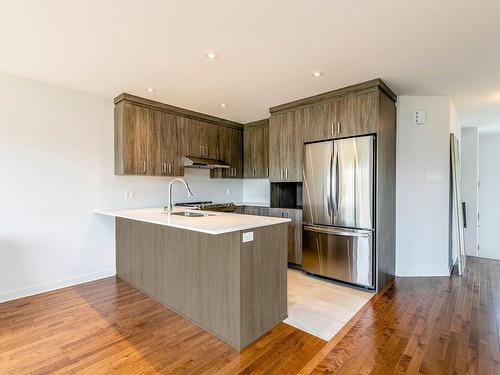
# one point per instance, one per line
(294, 228)
(294, 232)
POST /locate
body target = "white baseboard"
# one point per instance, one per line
(47, 287)
(418, 272)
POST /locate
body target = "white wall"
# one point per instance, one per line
(470, 177)
(256, 191)
(489, 195)
(56, 148)
(423, 187)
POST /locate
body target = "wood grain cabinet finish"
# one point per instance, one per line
(359, 115)
(294, 228)
(365, 108)
(256, 150)
(294, 248)
(164, 137)
(202, 139)
(230, 144)
(152, 138)
(131, 139)
(236, 290)
(345, 117)
(286, 141)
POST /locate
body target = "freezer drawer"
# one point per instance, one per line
(339, 253)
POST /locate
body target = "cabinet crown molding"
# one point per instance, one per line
(353, 89)
(152, 104)
(256, 124)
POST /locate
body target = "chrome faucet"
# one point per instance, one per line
(168, 209)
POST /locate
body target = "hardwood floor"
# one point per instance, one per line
(435, 325)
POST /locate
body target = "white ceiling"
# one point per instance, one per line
(267, 50)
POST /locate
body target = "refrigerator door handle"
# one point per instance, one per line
(329, 201)
(339, 231)
(334, 170)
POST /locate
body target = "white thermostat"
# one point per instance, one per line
(420, 117)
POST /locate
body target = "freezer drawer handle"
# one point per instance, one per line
(338, 232)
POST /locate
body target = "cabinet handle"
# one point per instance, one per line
(144, 167)
(206, 150)
(333, 130)
(164, 168)
(286, 174)
(267, 171)
(281, 174)
(253, 172)
(339, 128)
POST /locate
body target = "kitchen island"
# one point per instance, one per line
(225, 272)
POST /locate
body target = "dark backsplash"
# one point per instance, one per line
(286, 195)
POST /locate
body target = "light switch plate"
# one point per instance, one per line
(420, 117)
(248, 237)
(434, 177)
(129, 195)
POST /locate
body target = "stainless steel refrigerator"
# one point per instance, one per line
(338, 209)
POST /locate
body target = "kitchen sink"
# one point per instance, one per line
(191, 214)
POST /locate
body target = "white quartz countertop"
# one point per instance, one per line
(217, 223)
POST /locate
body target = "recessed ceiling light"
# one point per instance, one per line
(317, 74)
(150, 89)
(223, 105)
(495, 97)
(211, 55)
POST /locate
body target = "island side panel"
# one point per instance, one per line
(263, 281)
(196, 274)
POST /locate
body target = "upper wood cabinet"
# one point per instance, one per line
(256, 150)
(359, 114)
(286, 141)
(164, 140)
(131, 139)
(344, 117)
(153, 138)
(202, 139)
(230, 144)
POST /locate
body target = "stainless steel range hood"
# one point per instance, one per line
(205, 163)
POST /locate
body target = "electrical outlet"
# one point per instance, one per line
(247, 236)
(128, 195)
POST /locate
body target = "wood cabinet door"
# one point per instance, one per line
(286, 142)
(256, 152)
(235, 153)
(294, 139)
(320, 126)
(359, 114)
(249, 141)
(195, 137)
(230, 150)
(263, 155)
(294, 232)
(163, 145)
(134, 128)
(275, 148)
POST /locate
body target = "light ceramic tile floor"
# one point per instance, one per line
(319, 307)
